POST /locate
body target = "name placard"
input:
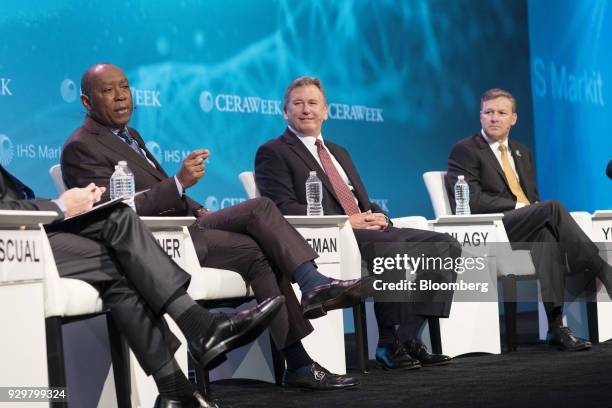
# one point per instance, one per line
(325, 241)
(173, 244)
(602, 230)
(470, 235)
(21, 255)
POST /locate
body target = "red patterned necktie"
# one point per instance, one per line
(344, 194)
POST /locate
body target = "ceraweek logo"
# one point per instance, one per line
(141, 97)
(146, 97)
(214, 204)
(239, 103)
(262, 106)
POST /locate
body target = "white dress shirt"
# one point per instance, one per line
(309, 142)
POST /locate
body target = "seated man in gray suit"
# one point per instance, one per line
(282, 166)
(113, 251)
(501, 175)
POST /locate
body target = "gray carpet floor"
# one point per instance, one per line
(535, 376)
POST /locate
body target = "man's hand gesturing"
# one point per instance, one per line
(192, 169)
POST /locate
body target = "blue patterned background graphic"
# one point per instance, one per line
(571, 68)
(421, 64)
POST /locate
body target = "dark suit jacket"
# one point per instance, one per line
(91, 153)
(489, 189)
(282, 166)
(10, 199)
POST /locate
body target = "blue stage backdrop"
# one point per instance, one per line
(571, 67)
(403, 78)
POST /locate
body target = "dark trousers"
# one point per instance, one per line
(254, 239)
(556, 242)
(432, 304)
(112, 250)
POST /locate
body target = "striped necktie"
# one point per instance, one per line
(127, 138)
(344, 194)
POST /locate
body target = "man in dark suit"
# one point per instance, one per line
(281, 169)
(113, 251)
(252, 238)
(501, 176)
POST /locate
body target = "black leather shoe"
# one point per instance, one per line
(563, 338)
(318, 378)
(418, 350)
(395, 356)
(230, 332)
(197, 400)
(337, 294)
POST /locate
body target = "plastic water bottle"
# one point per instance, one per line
(314, 195)
(122, 184)
(462, 196)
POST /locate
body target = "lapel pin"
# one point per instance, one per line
(518, 154)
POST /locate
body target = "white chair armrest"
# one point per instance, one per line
(321, 221)
(416, 222)
(468, 219)
(584, 221)
(167, 222)
(11, 218)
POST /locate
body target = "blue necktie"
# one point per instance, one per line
(127, 138)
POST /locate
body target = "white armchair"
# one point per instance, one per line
(512, 265)
(211, 287)
(62, 301)
(350, 261)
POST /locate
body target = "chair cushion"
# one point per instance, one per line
(517, 262)
(215, 283)
(78, 298)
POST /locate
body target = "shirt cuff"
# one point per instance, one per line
(180, 188)
(61, 206)
(519, 205)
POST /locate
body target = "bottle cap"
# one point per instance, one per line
(122, 163)
(313, 172)
(459, 178)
